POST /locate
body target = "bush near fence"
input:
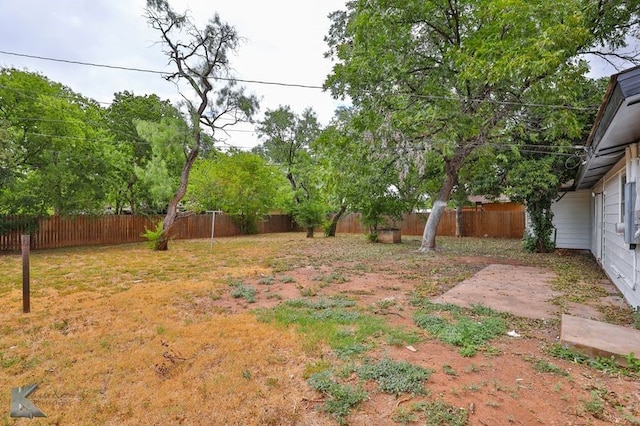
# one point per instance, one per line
(59, 231)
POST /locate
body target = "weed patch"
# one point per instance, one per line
(467, 329)
(241, 290)
(396, 377)
(439, 413)
(341, 397)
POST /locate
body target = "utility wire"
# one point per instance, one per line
(150, 71)
(297, 85)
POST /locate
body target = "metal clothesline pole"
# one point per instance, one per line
(213, 224)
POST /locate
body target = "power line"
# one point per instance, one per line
(150, 71)
(297, 85)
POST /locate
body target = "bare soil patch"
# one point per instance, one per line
(121, 335)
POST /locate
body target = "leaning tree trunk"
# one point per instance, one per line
(331, 232)
(172, 211)
(452, 167)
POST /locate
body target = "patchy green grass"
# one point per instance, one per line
(336, 322)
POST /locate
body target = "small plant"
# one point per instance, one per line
(316, 367)
(268, 280)
(153, 236)
(543, 366)
(332, 278)
(595, 405)
(308, 292)
(287, 279)
(404, 416)
(341, 397)
(448, 370)
(396, 377)
(241, 290)
(439, 413)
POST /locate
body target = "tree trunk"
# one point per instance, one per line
(459, 222)
(172, 211)
(310, 232)
(331, 232)
(452, 167)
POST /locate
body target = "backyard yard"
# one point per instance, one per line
(283, 330)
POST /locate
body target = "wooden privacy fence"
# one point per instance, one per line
(495, 224)
(60, 231)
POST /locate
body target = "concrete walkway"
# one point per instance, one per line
(600, 339)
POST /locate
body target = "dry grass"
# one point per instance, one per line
(109, 341)
(116, 335)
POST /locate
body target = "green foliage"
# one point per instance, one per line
(239, 183)
(309, 214)
(121, 119)
(287, 139)
(442, 83)
(153, 236)
(468, 331)
(341, 397)
(58, 154)
(395, 377)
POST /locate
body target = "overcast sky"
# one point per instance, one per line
(283, 43)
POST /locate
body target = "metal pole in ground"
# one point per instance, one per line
(26, 297)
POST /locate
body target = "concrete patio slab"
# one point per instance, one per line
(520, 290)
(600, 339)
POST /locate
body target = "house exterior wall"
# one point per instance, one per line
(572, 220)
(620, 262)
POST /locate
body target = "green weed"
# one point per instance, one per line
(341, 397)
(395, 377)
(466, 332)
(543, 366)
(439, 413)
(241, 290)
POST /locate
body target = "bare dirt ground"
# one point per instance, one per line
(134, 345)
(499, 388)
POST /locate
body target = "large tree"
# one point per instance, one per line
(59, 155)
(287, 139)
(452, 76)
(201, 57)
(122, 117)
(241, 184)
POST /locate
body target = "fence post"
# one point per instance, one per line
(26, 300)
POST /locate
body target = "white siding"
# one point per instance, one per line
(572, 220)
(619, 261)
